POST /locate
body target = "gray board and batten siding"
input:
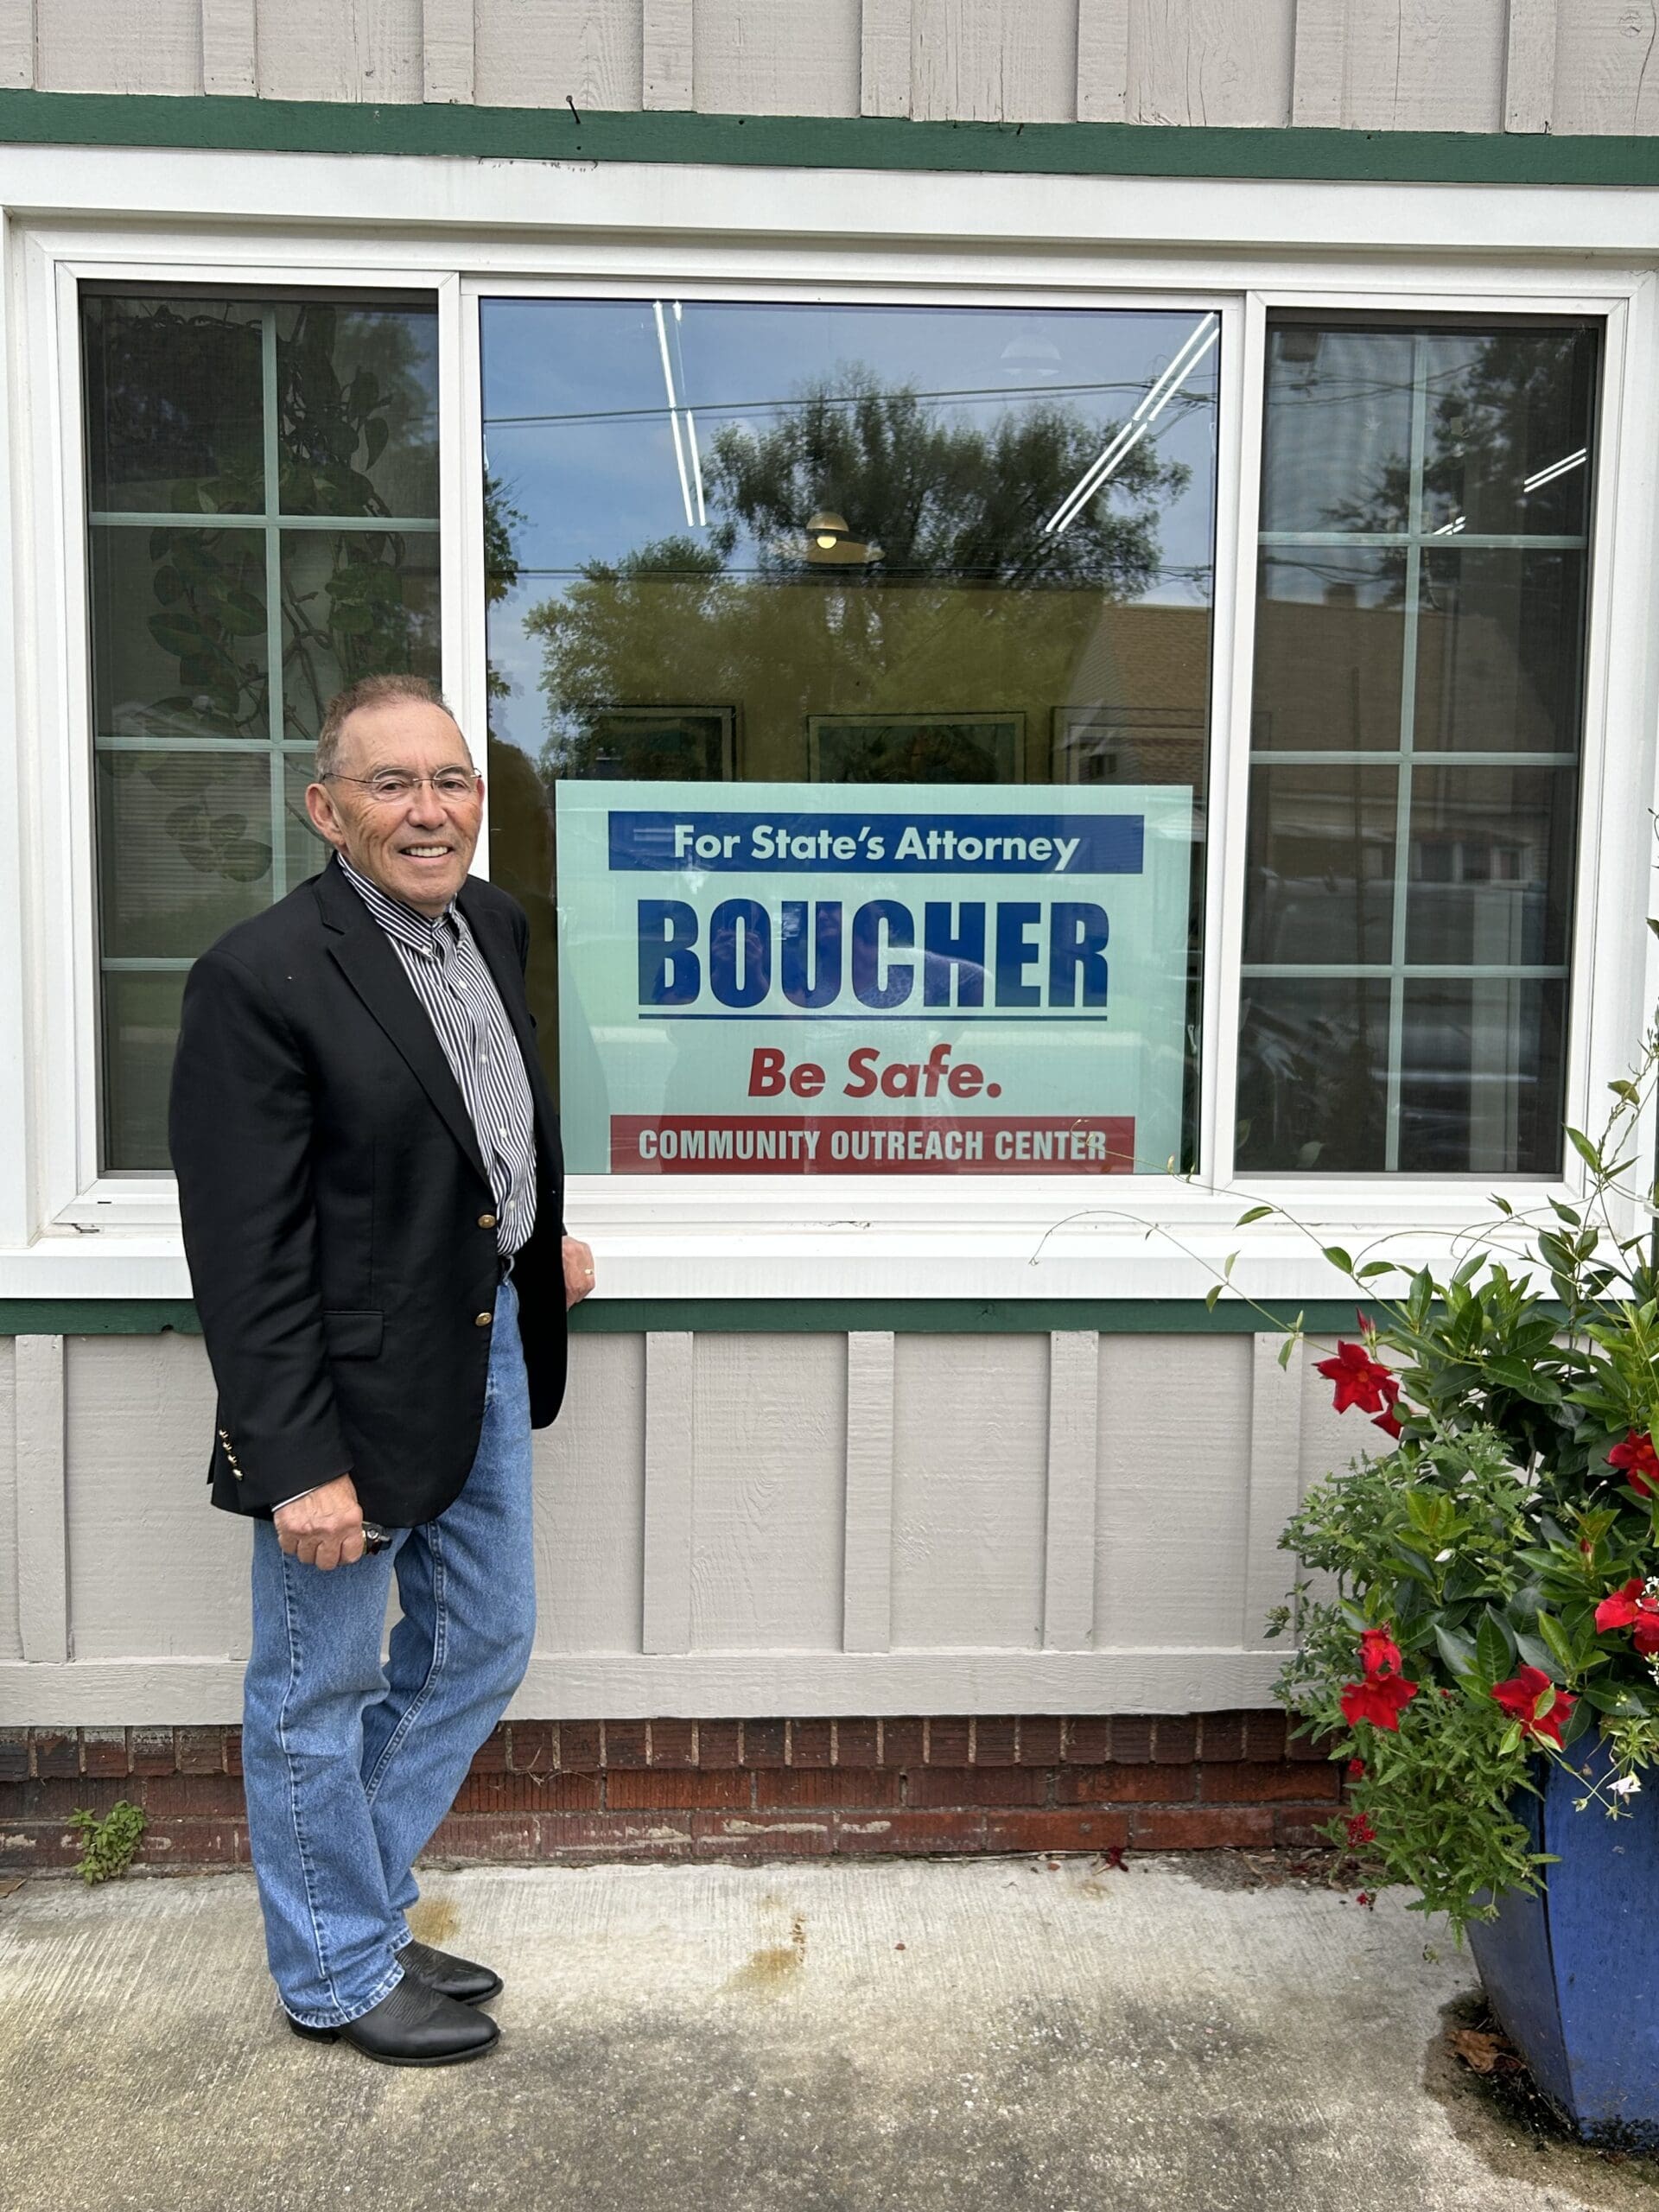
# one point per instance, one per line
(1565, 66)
(731, 1522)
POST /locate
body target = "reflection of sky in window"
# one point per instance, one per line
(577, 429)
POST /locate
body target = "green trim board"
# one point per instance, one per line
(227, 122)
(968, 1316)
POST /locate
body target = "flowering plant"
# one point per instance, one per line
(1481, 1594)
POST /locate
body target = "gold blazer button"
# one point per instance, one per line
(487, 1221)
(481, 1320)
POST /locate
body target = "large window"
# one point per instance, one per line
(1415, 744)
(741, 553)
(848, 670)
(262, 526)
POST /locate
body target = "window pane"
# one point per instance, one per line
(173, 406)
(1321, 866)
(1507, 417)
(354, 603)
(358, 396)
(141, 1028)
(184, 847)
(1491, 865)
(1500, 639)
(188, 840)
(1338, 425)
(1312, 1053)
(1481, 1078)
(1450, 649)
(1330, 638)
(178, 632)
(888, 549)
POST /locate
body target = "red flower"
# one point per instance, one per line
(1360, 1830)
(1522, 1696)
(1363, 1381)
(1356, 1768)
(1638, 1461)
(1380, 1699)
(1379, 1655)
(1630, 1607)
(1619, 1607)
(1388, 1422)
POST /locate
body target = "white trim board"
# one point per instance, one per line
(162, 1692)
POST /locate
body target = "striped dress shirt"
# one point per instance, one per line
(453, 981)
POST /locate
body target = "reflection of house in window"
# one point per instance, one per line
(1329, 670)
(1139, 708)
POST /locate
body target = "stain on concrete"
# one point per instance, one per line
(435, 1920)
(769, 1971)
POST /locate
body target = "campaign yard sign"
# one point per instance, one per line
(907, 979)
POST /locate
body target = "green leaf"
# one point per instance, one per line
(1339, 1258)
(1430, 1514)
(1456, 1649)
(1580, 1717)
(1212, 1295)
(1255, 1213)
(1375, 1268)
(1618, 1700)
(1494, 1646)
(242, 614)
(176, 633)
(1588, 1152)
(1533, 1651)
(1561, 1646)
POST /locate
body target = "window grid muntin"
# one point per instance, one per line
(1415, 539)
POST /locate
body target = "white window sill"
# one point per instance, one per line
(1149, 1242)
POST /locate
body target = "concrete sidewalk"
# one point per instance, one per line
(984, 2036)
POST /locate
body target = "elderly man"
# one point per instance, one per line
(372, 1197)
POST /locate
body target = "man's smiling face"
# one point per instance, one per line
(419, 847)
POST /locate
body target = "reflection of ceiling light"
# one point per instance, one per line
(1100, 471)
(698, 518)
(1542, 476)
(1029, 359)
(830, 543)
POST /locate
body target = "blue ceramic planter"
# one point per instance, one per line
(1568, 1973)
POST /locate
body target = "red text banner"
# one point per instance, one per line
(864, 1144)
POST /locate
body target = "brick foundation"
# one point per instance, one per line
(578, 1790)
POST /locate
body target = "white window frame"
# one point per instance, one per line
(633, 232)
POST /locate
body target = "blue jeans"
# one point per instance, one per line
(349, 1764)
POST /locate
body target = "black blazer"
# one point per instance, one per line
(338, 1219)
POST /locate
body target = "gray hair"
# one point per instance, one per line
(369, 691)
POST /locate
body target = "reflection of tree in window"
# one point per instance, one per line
(952, 515)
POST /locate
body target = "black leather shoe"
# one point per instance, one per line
(415, 2026)
(449, 1976)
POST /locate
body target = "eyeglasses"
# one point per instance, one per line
(393, 785)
